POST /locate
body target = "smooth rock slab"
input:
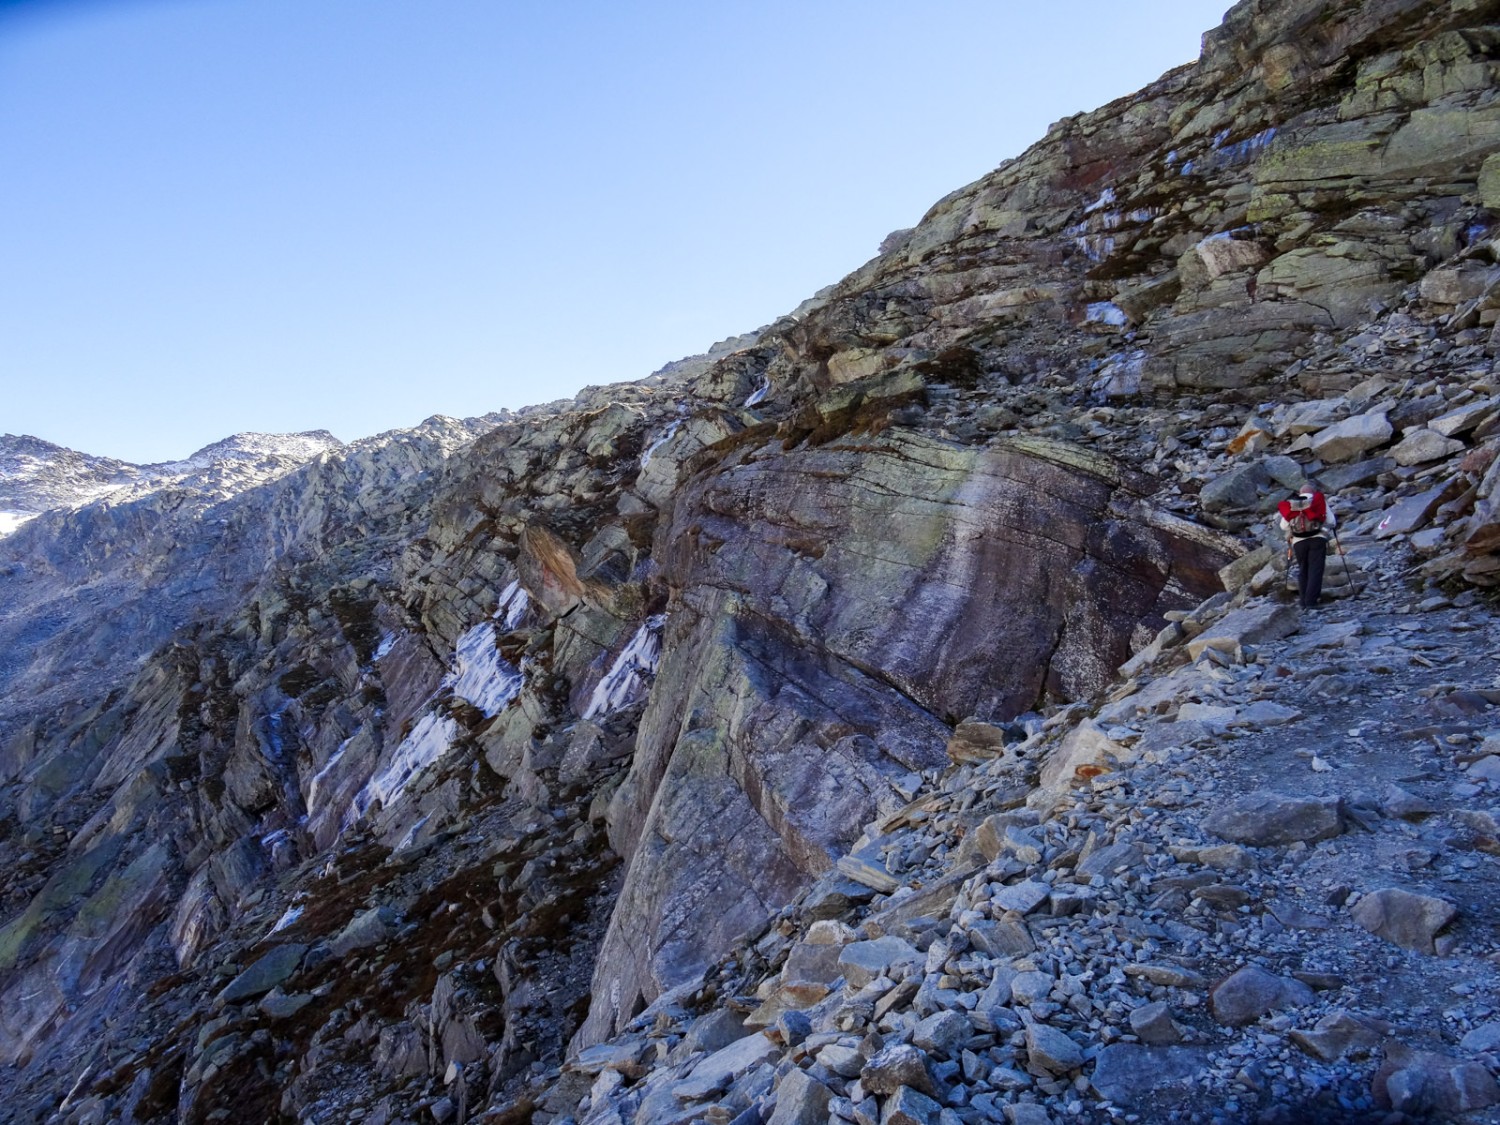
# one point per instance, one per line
(273, 968)
(1127, 1073)
(1421, 446)
(1250, 625)
(1251, 992)
(1023, 897)
(1409, 920)
(1348, 439)
(1265, 819)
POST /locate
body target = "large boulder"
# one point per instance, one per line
(793, 701)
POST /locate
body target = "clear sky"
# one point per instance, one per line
(278, 215)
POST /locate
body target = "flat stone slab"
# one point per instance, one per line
(1250, 625)
(1409, 920)
(1266, 819)
(863, 961)
(1128, 1073)
(1251, 992)
(272, 968)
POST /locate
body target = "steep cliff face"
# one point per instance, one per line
(390, 778)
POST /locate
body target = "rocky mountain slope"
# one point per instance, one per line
(893, 717)
(37, 476)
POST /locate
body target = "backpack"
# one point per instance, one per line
(1305, 521)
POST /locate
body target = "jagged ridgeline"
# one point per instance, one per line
(499, 769)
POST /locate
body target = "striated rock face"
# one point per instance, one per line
(387, 777)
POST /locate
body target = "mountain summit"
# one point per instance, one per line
(898, 715)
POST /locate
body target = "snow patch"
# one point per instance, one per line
(428, 741)
(291, 915)
(10, 520)
(483, 676)
(758, 395)
(626, 680)
(1105, 312)
(513, 604)
(387, 641)
(1106, 197)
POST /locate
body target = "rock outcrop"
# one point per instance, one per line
(892, 715)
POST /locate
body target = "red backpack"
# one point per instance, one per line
(1308, 520)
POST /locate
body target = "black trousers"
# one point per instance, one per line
(1311, 553)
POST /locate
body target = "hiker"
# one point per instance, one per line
(1306, 519)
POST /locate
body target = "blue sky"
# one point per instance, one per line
(278, 215)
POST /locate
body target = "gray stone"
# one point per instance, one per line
(278, 1005)
(1004, 937)
(1340, 1033)
(801, 1100)
(1424, 1084)
(1485, 1037)
(1023, 898)
(863, 961)
(1250, 625)
(1153, 1024)
(269, 971)
(370, 927)
(1409, 920)
(1027, 1113)
(906, 1106)
(1127, 1073)
(1049, 1051)
(1422, 446)
(897, 1066)
(1031, 986)
(1352, 437)
(942, 1033)
(1251, 992)
(1265, 819)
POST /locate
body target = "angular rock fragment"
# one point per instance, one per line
(863, 961)
(1403, 918)
(909, 1107)
(1049, 1051)
(897, 1066)
(801, 1100)
(265, 974)
(1251, 992)
(1153, 1024)
(1265, 819)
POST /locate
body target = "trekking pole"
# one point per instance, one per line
(1353, 585)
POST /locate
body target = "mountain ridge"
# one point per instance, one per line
(888, 719)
